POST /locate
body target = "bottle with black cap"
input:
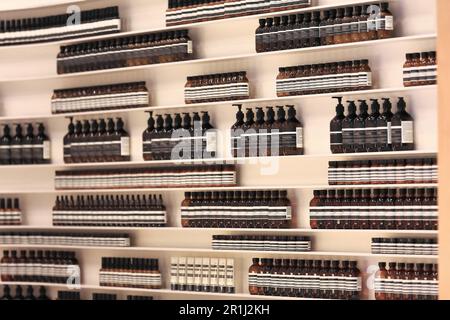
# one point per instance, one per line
(384, 124)
(259, 36)
(41, 146)
(348, 125)
(6, 293)
(209, 145)
(27, 146)
(122, 154)
(16, 146)
(259, 126)
(248, 130)
(236, 133)
(336, 143)
(402, 128)
(5, 146)
(43, 294)
(360, 127)
(292, 140)
(371, 127)
(67, 142)
(268, 126)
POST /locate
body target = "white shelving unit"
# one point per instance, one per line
(28, 78)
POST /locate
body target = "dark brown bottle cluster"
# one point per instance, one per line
(65, 239)
(236, 209)
(24, 147)
(60, 27)
(328, 27)
(324, 78)
(407, 281)
(110, 211)
(130, 273)
(125, 52)
(108, 97)
(179, 137)
(267, 135)
(104, 296)
(139, 298)
(96, 141)
(39, 266)
(202, 274)
(401, 171)
(420, 69)
(377, 131)
(261, 243)
(405, 246)
(378, 209)
(191, 11)
(10, 213)
(20, 294)
(161, 177)
(69, 295)
(305, 279)
(217, 87)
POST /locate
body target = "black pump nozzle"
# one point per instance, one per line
(387, 105)
(375, 105)
(401, 105)
(351, 106)
(340, 107)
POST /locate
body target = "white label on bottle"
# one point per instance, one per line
(211, 141)
(125, 146)
(389, 23)
(389, 132)
(299, 138)
(288, 213)
(189, 47)
(46, 151)
(407, 132)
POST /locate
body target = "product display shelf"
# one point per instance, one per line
(165, 292)
(236, 188)
(372, 92)
(229, 160)
(25, 228)
(168, 28)
(232, 252)
(253, 57)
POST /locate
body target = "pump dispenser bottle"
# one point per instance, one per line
(348, 125)
(336, 142)
(360, 127)
(402, 128)
(371, 127)
(384, 124)
(236, 133)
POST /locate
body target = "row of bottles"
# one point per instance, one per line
(10, 213)
(160, 177)
(130, 273)
(122, 52)
(217, 87)
(405, 246)
(374, 132)
(60, 27)
(407, 281)
(110, 211)
(236, 209)
(39, 266)
(189, 11)
(261, 243)
(400, 171)
(65, 239)
(96, 98)
(179, 137)
(305, 279)
(384, 209)
(24, 149)
(334, 26)
(324, 78)
(29, 295)
(420, 69)
(202, 274)
(75, 295)
(96, 141)
(267, 135)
